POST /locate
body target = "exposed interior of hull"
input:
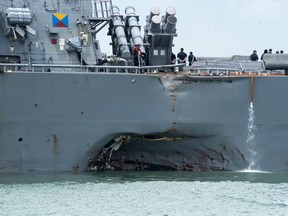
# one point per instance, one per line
(158, 152)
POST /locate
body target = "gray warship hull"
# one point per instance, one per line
(58, 121)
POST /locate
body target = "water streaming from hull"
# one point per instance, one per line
(250, 141)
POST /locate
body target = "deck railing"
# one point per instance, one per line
(8, 67)
(198, 69)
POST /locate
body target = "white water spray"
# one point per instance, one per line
(251, 138)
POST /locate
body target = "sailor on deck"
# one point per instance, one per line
(191, 58)
(254, 56)
(265, 52)
(173, 60)
(182, 56)
(137, 54)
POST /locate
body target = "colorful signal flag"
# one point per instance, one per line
(60, 20)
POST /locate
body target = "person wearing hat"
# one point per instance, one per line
(137, 53)
(254, 56)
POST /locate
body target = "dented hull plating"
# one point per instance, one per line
(61, 121)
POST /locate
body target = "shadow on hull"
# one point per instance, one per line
(161, 153)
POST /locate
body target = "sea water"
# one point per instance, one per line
(145, 193)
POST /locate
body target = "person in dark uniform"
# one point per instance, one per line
(191, 58)
(265, 52)
(173, 60)
(254, 56)
(182, 56)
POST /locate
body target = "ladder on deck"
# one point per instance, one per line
(103, 8)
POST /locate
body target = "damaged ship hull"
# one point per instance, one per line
(63, 121)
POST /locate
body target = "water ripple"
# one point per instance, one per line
(144, 198)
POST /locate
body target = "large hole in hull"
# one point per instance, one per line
(152, 152)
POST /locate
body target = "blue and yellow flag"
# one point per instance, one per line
(60, 20)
